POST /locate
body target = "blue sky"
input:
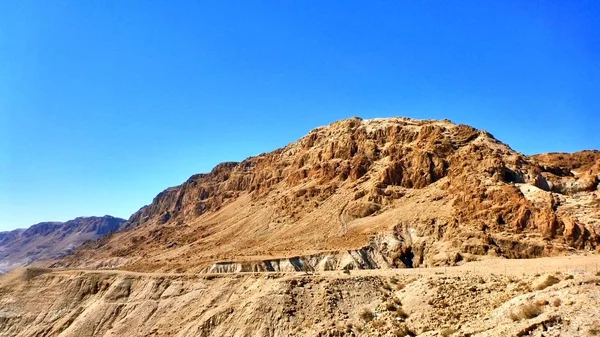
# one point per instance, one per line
(103, 104)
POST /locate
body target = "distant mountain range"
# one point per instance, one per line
(50, 240)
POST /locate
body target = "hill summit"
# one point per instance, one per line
(378, 193)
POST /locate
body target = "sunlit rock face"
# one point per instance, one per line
(407, 192)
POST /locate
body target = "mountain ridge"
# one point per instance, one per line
(51, 239)
(404, 192)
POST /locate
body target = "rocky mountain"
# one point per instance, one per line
(355, 206)
(361, 194)
(51, 240)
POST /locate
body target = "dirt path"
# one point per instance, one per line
(342, 220)
(485, 293)
(576, 264)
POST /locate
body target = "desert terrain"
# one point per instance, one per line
(393, 192)
(555, 296)
(381, 227)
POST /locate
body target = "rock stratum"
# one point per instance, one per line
(364, 194)
(51, 240)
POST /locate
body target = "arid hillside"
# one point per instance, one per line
(497, 297)
(361, 194)
(51, 240)
(328, 236)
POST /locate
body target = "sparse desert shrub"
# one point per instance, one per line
(448, 332)
(531, 310)
(594, 330)
(346, 271)
(402, 331)
(387, 287)
(546, 282)
(542, 302)
(378, 324)
(556, 302)
(598, 273)
(397, 301)
(526, 311)
(390, 306)
(366, 315)
(394, 280)
(120, 290)
(443, 304)
(359, 209)
(401, 313)
(33, 272)
(569, 277)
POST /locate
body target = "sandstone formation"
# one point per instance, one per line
(51, 240)
(361, 194)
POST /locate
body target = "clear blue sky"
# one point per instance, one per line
(103, 104)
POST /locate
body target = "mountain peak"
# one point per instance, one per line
(433, 191)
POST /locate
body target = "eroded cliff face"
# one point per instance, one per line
(413, 192)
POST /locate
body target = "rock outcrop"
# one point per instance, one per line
(422, 192)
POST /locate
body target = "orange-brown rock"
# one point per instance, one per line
(399, 191)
